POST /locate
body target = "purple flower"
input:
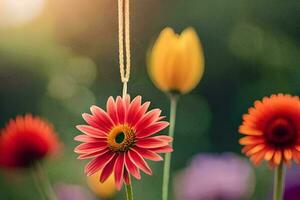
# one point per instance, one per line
(215, 177)
(72, 192)
(292, 184)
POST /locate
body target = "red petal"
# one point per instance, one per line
(102, 117)
(164, 138)
(152, 129)
(140, 113)
(161, 118)
(91, 120)
(149, 118)
(164, 149)
(127, 102)
(119, 170)
(132, 168)
(90, 147)
(112, 110)
(91, 131)
(133, 109)
(150, 155)
(92, 154)
(126, 177)
(108, 169)
(138, 160)
(86, 138)
(120, 110)
(152, 142)
(98, 163)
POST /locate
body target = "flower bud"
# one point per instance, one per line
(176, 61)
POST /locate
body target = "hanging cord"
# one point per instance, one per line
(124, 15)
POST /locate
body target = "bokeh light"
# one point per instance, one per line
(16, 12)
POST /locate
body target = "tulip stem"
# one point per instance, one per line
(279, 182)
(129, 193)
(167, 163)
(42, 182)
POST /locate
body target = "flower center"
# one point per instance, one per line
(121, 138)
(281, 132)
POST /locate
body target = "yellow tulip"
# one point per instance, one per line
(104, 190)
(176, 61)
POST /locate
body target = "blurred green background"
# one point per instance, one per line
(57, 58)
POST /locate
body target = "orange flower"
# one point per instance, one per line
(272, 129)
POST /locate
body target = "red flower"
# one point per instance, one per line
(273, 130)
(26, 140)
(120, 138)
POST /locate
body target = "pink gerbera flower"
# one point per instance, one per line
(120, 138)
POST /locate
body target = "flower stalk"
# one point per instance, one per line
(37, 184)
(279, 182)
(129, 193)
(42, 183)
(167, 162)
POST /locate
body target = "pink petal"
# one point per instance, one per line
(86, 138)
(119, 171)
(138, 160)
(127, 102)
(126, 177)
(152, 129)
(151, 142)
(90, 147)
(102, 118)
(149, 118)
(164, 149)
(133, 109)
(132, 168)
(164, 138)
(148, 154)
(98, 163)
(108, 169)
(91, 131)
(161, 118)
(91, 120)
(127, 105)
(120, 109)
(111, 108)
(93, 154)
(140, 113)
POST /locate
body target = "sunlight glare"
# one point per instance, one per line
(19, 12)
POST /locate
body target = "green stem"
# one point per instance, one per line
(129, 193)
(43, 182)
(279, 182)
(37, 184)
(167, 163)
